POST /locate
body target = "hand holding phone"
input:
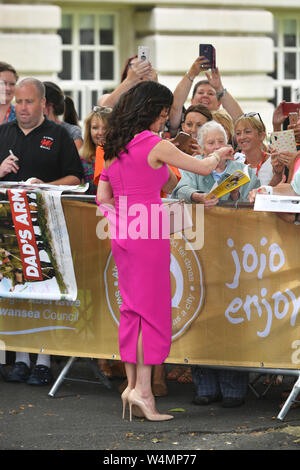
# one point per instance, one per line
(184, 142)
(144, 53)
(293, 118)
(141, 68)
(209, 52)
(288, 107)
(283, 141)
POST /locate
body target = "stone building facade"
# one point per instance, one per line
(83, 45)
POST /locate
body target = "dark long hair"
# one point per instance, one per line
(126, 67)
(135, 111)
(61, 104)
(201, 109)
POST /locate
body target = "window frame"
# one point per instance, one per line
(83, 89)
(280, 82)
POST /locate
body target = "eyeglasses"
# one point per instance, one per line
(253, 114)
(102, 109)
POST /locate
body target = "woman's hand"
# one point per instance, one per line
(200, 64)
(139, 70)
(152, 75)
(208, 203)
(278, 117)
(287, 158)
(253, 193)
(225, 153)
(215, 80)
(195, 149)
(235, 194)
(278, 167)
(296, 131)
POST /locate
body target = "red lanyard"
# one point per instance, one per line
(260, 163)
(7, 114)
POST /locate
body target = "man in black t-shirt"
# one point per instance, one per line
(34, 147)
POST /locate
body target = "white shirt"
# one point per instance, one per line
(239, 157)
(265, 173)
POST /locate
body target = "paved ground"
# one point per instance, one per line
(87, 416)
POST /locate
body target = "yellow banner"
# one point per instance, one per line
(235, 302)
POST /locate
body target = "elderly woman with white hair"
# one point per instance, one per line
(194, 188)
(212, 385)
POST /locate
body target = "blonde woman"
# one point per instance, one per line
(94, 137)
(92, 152)
(250, 133)
(223, 118)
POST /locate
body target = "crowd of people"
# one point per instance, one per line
(137, 126)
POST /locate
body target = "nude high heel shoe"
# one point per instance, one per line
(135, 410)
(134, 400)
(124, 398)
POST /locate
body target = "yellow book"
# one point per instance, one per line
(235, 180)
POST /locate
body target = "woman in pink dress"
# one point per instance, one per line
(135, 172)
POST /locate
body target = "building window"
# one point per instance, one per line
(286, 59)
(89, 57)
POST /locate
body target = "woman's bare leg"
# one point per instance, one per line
(143, 377)
(142, 397)
(130, 374)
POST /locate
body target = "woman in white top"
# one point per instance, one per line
(250, 133)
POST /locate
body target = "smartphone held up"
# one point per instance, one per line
(144, 53)
(183, 141)
(288, 107)
(209, 52)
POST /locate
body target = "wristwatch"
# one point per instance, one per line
(221, 94)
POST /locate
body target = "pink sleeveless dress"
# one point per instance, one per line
(141, 251)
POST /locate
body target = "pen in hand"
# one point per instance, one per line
(13, 166)
(13, 155)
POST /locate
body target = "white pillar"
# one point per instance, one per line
(29, 39)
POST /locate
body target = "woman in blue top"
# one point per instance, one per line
(194, 188)
(8, 80)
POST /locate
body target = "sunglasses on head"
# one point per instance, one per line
(253, 114)
(102, 109)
